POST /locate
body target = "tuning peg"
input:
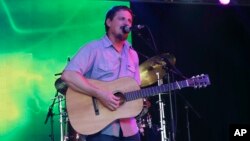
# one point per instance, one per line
(194, 83)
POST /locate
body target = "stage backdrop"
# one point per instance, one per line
(211, 39)
(36, 39)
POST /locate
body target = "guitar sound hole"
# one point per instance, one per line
(121, 96)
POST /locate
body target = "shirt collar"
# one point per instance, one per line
(108, 43)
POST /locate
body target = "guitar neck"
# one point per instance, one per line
(147, 92)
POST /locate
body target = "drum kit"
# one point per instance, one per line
(151, 71)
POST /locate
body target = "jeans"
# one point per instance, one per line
(102, 137)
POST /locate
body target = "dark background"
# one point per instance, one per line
(210, 39)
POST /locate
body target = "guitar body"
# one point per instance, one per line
(81, 111)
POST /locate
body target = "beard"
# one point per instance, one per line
(121, 36)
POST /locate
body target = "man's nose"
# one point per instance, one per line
(127, 23)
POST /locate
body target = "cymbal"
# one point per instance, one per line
(150, 67)
(61, 86)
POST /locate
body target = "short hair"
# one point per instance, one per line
(111, 13)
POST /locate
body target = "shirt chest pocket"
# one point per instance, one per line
(108, 66)
(106, 69)
(107, 61)
(131, 68)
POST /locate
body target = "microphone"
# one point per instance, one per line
(127, 29)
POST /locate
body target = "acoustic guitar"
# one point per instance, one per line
(87, 115)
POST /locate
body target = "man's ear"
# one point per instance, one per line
(108, 22)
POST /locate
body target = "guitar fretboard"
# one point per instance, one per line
(156, 90)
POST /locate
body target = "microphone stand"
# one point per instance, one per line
(188, 125)
(154, 48)
(187, 107)
(174, 70)
(50, 116)
(190, 106)
(172, 129)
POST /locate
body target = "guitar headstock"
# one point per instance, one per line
(199, 81)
